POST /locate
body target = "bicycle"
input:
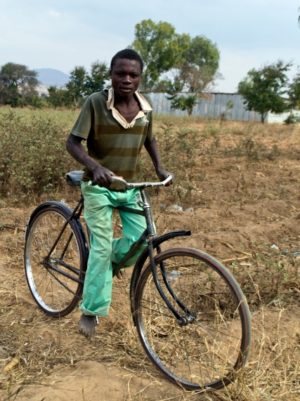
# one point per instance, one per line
(191, 315)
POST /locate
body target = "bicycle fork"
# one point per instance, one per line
(182, 319)
(188, 317)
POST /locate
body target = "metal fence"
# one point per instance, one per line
(229, 106)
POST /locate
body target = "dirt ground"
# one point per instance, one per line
(245, 211)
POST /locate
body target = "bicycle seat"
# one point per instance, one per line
(74, 177)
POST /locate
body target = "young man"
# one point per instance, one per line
(116, 124)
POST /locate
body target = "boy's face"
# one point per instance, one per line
(126, 77)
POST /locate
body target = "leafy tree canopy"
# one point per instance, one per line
(294, 92)
(96, 79)
(82, 83)
(59, 97)
(173, 62)
(76, 84)
(157, 43)
(263, 89)
(17, 84)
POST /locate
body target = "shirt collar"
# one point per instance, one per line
(145, 108)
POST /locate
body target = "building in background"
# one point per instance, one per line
(227, 106)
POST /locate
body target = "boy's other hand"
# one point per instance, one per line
(162, 174)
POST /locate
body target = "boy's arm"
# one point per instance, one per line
(151, 147)
(101, 175)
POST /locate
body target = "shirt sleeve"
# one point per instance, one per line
(84, 122)
(149, 130)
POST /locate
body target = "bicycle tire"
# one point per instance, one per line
(207, 353)
(55, 281)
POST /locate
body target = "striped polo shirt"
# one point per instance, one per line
(111, 140)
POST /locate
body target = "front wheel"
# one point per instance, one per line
(208, 349)
(55, 258)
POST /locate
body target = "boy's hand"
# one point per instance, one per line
(162, 174)
(102, 176)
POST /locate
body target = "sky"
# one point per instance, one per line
(62, 34)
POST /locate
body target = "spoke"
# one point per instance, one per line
(60, 282)
(54, 282)
(205, 351)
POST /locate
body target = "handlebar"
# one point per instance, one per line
(118, 183)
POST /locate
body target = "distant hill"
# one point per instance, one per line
(51, 77)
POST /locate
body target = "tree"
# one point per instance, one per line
(294, 100)
(196, 69)
(76, 84)
(175, 63)
(263, 89)
(59, 97)
(200, 61)
(17, 84)
(82, 83)
(184, 102)
(157, 43)
(294, 92)
(96, 79)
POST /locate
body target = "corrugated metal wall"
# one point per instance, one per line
(213, 105)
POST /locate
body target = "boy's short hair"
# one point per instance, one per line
(130, 54)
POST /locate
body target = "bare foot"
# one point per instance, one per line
(87, 325)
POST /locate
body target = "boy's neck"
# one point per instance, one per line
(127, 101)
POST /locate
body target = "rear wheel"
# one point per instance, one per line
(213, 344)
(55, 259)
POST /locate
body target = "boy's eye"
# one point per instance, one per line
(123, 74)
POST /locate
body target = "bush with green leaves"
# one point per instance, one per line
(292, 119)
(33, 156)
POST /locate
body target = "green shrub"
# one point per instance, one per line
(33, 156)
(292, 119)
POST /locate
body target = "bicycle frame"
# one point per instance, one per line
(76, 214)
(169, 288)
(153, 242)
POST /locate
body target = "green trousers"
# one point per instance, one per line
(99, 203)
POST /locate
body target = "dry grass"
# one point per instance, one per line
(37, 345)
(242, 181)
